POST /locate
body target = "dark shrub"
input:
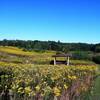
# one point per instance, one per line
(96, 59)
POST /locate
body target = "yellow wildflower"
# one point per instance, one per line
(20, 89)
(33, 93)
(56, 91)
(37, 88)
(27, 90)
(74, 77)
(65, 86)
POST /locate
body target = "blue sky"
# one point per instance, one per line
(64, 20)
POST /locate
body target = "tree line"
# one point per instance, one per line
(50, 45)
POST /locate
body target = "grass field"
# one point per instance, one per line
(30, 73)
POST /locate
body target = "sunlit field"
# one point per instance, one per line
(28, 75)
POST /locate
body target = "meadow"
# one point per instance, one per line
(28, 75)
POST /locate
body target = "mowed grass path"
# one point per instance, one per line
(97, 86)
(96, 92)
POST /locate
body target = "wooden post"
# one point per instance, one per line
(11, 95)
(55, 61)
(68, 61)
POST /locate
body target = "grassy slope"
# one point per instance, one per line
(15, 51)
(16, 55)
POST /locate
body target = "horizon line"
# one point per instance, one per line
(49, 40)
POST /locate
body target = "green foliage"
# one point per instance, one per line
(81, 55)
(6, 77)
(97, 49)
(47, 45)
(96, 59)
